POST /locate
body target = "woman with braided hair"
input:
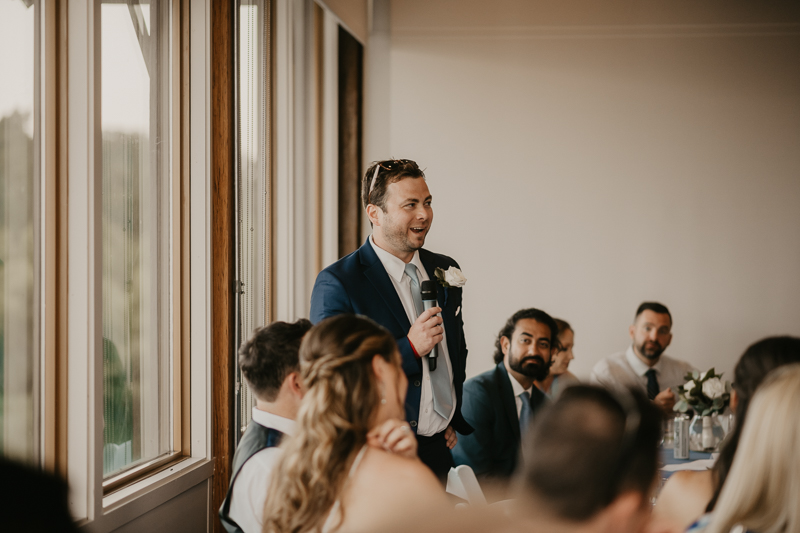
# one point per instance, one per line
(337, 473)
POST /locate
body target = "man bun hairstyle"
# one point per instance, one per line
(590, 446)
(398, 169)
(508, 329)
(656, 307)
(270, 355)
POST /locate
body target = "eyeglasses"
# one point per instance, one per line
(389, 164)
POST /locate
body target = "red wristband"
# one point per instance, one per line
(413, 349)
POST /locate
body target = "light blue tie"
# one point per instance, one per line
(524, 413)
(416, 292)
(440, 379)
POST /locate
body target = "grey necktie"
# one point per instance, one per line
(440, 379)
(524, 413)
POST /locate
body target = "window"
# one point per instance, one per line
(104, 109)
(253, 185)
(19, 233)
(137, 246)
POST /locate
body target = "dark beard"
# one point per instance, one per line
(653, 355)
(537, 371)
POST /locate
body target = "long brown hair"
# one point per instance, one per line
(337, 411)
(763, 488)
(754, 365)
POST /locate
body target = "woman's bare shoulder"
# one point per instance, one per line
(684, 497)
(381, 463)
(698, 483)
(386, 488)
(385, 475)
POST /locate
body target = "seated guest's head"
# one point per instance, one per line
(566, 340)
(270, 364)
(33, 500)
(592, 461)
(350, 367)
(651, 330)
(763, 488)
(526, 344)
(757, 361)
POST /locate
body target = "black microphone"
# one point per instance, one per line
(428, 292)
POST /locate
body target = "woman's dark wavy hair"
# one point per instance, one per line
(756, 362)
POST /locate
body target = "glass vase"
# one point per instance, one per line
(705, 433)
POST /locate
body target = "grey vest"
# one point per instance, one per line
(255, 439)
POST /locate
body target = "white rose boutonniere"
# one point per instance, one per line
(452, 277)
(714, 388)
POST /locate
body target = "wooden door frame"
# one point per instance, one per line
(222, 248)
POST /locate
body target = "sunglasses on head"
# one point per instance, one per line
(389, 165)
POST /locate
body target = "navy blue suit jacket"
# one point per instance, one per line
(492, 450)
(358, 283)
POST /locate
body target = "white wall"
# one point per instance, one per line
(583, 165)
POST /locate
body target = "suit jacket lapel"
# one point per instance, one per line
(377, 275)
(429, 262)
(507, 397)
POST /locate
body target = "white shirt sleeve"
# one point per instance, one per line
(250, 490)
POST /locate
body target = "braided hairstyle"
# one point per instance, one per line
(338, 409)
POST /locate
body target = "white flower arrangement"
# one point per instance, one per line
(705, 393)
(452, 277)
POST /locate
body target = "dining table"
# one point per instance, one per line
(668, 465)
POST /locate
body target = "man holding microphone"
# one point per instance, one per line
(383, 280)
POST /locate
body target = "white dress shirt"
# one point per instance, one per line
(625, 369)
(430, 422)
(517, 388)
(252, 484)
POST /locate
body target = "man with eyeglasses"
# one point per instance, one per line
(644, 365)
(501, 403)
(383, 279)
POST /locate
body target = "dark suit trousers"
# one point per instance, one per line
(435, 454)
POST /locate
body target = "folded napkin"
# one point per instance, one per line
(700, 464)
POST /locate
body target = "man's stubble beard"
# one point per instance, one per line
(651, 356)
(399, 238)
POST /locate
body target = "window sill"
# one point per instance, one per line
(138, 498)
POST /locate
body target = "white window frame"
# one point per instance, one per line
(84, 271)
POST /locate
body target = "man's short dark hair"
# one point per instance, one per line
(508, 329)
(656, 307)
(270, 355)
(588, 447)
(398, 169)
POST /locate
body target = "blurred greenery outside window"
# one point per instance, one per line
(135, 70)
(19, 233)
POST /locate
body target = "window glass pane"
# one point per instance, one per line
(135, 111)
(19, 346)
(253, 190)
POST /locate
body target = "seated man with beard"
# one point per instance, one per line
(643, 366)
(500, 403)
